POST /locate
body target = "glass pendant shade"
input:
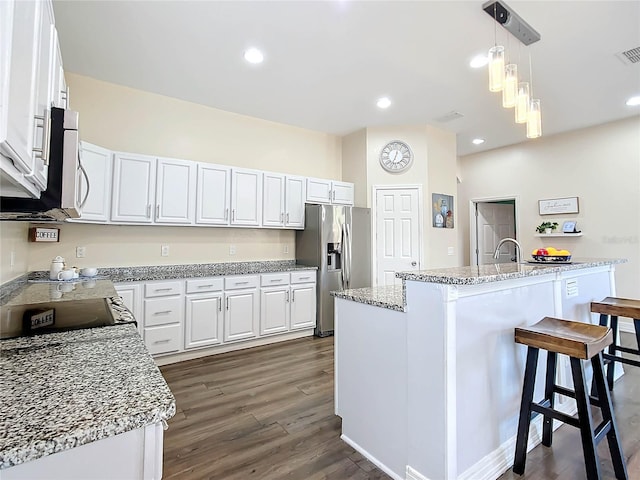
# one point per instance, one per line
(522, 102)
(510, 89)
(496, 68)
(534, 120)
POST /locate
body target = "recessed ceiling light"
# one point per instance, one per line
(383, 102)
(634, 101)
(477, 141)
(479, 61)
(253, 55)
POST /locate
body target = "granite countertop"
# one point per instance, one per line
(30, 292)
(391, 296)
(474, 275)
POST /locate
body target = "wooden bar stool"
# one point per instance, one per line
(618, 307)
(580, 341)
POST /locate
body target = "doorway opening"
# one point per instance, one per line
(491, 220)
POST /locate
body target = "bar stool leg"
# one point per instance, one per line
(586, 422)
(550, 383)
(604, 397)
(524, 420)
(636, 324)
(612, 351)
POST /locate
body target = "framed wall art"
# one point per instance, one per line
(555, 206)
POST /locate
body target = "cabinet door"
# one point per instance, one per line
(303, 306)
(97, 162)
(274, 310)
(58, 83)
(203, 320)
(318, 190)
(212, 202)
(242, 314)
(342, 193)
(246, 196)
(273, 213)
(175, 191)
(133, 188)
(131, 294)
(294, 199)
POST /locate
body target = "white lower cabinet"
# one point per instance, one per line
(163, 316)
(303, 306)
(131, 294)
(204, 315)
(241, 307)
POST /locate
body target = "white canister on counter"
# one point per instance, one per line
(57, 264)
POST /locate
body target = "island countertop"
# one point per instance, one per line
(390, 296)
(473, 275)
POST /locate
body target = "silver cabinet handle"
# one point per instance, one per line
(287, 296)
(162, 341)
(293, 295)
(148, 210)
(157, 211)
(162, 289)
(205, 286)
(227, 303)
(287, 218)
(304, 278)
(43, 151)
(219, 304)
(233, 214)
(275, 280)
(242, 283)
(164, 312)
(226, 214)
(65, 95)
(333, 195)
(414, 263)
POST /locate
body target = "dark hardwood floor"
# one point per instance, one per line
(267, 413)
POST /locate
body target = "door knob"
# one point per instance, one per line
(414, 263)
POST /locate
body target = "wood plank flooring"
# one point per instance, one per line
(267, 413)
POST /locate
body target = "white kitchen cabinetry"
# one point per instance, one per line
(246, 197)
(97, 162)
(329, 191)
(163, 316)
(59, 92)
(131, 294)
(133, 188)
(274, 303)
(213, 194)
(294, 202)
(204, 314)
(303, 300)
(283, 201)
(175, 191)
(241, 307)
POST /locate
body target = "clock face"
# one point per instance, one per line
(396, 156)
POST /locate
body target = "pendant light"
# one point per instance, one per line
(522, 102)
(496, 68)
(534, 120)
(510, 89)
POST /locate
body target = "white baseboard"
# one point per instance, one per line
(372, 459)
(412, 474)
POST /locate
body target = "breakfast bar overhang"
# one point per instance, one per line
(432, 390)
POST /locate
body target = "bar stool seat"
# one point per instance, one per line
(614, 307)
(581, 342)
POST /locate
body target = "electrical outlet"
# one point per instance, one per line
(232, 249)
(81, 252)
(12, 260)
(286, 249)
(164, 250)
(450, 251)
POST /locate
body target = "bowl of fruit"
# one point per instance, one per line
(551, 254)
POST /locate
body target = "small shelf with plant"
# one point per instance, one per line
(547, 227)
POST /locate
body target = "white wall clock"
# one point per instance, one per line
(396, 156)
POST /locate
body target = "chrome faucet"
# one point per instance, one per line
(515, 242)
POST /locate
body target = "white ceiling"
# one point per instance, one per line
(326, 62)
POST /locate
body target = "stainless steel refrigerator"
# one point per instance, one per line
(337, 240)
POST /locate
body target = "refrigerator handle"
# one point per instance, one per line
(343, 269)
(347, 253)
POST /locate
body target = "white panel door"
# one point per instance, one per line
(303, 306)
(133, 188)
(175, 191)
(318, 190)
(397, 234)
(203, 320)
(273, 200)
(494, 221)
(213, 194)
(97, 162)
(246, 197)
(274, 310)
(294, 200)
(242, 314)
(342, 193)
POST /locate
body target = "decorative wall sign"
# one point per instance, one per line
(40, 234)
(442, 213)
(558, 205)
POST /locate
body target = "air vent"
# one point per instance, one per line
(629, 57)
(448, 117)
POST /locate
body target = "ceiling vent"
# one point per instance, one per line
(449, 117)
(629, 57)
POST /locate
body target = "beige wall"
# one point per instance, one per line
(600, 165)
(354, 165)
(120, 118)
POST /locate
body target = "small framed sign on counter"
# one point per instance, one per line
(558, 205)
(44, 234)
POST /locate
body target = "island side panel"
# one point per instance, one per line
(371, 382)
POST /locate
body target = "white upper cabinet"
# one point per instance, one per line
(133, 188)
(213, 194)
(97, 162)
(59, 91)
(175, 191)
(329, 191)
(294, 202)
(273, 214)
(246, 197)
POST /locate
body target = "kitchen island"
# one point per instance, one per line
(86, 403)
(432, 391)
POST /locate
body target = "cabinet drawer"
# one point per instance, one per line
(272, 279)
(163, 339)
(241, 281)
(160, 289)
(160, 311)
(205, 285)
(305, 276)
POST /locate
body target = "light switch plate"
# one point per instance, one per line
(81, 252)
(232, 249)
(164, 250)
